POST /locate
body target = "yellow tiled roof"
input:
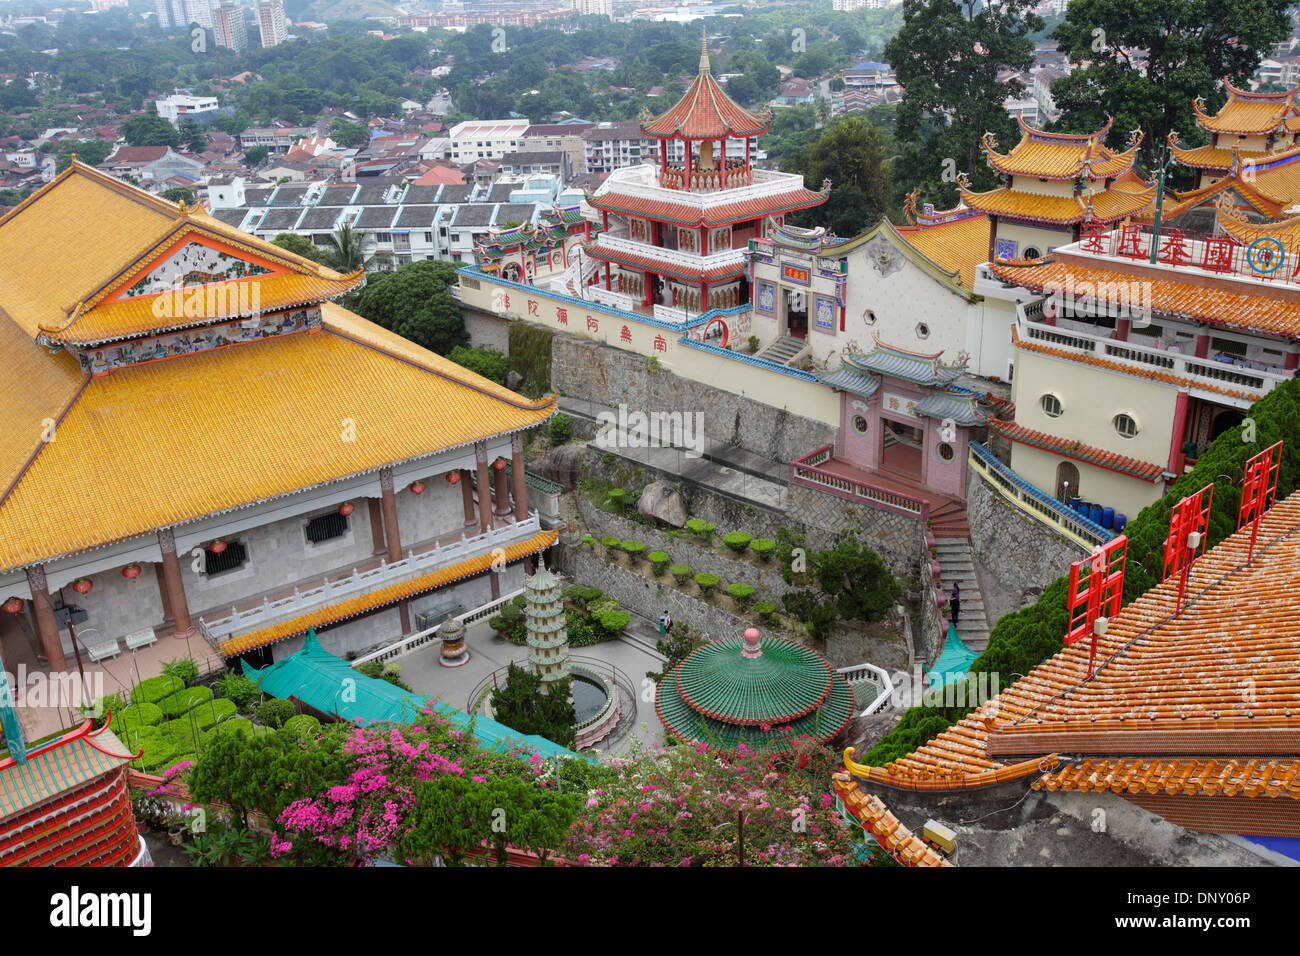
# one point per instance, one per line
(1210, 157)
(1060, 155)
(1108, 205)
(1248, 113)
(384, 596)
(154, 445)
(957, 246)
(68, 270)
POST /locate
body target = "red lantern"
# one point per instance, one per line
(13, 606)
(216, 547)
(499, 464)
(131, 571)
(417, 487)
(347, 508)
(82, 585)
(453, 477)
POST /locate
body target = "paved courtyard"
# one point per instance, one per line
(488, 652)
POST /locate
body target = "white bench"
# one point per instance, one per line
(101, 652)
(140, 639)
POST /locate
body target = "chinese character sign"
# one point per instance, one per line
(1189, 526)
(1258, 490)
(1095, 591)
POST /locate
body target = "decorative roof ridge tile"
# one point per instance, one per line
(1088, 454)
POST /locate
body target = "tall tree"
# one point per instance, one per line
(413, 301)
(947, 58)
(1148, 60)
(851, 154)
(345, 250)
(150, 129)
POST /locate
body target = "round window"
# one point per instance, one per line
(1051, 405)
(859, 424)
(1031, 252)
(922, 330)
(945, 451)
(870, 317)
(1125, 425)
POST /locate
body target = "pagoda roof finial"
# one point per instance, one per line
(704, 49)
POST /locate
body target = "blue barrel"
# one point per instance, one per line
(1121, 521)
(1108, 518)
(1095, 514)
(1075, 501)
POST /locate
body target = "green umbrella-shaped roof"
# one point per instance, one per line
(786, 682)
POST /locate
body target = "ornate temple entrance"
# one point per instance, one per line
(902, 444)
(794, 313)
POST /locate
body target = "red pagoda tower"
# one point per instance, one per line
(675, 235)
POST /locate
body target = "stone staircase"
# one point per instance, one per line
(957, 565)
(948, 520)
(783, 350)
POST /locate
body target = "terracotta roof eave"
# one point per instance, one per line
(1078, 451)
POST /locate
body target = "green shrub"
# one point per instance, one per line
(587, 540)
(208, 713)
(303, 726)
(616, 497)
(634, 549)
(490, 363)
(597, 608)
(809, 607)
(232, 725)
(158, 753)
(183, 668)
(274, 712)
(136, 717)
(763, 547)
(701, 529)
(753, 343)
(611, 542)
(743, 593)
(681, 572)
(658, 562)
(561, 429)
(181, 733)
(111, 704)
(706, 582)
(154, 689)
(238, 689)
(613, 622)
(765, 610)
(183, 701)
(737, 541)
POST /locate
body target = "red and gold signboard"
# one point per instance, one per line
(1096, 590)
(1191, 516)
(796, 274)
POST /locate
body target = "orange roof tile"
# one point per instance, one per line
(1060, 155)
(1089, 454)
(1259, 309)
(1247, 113)
(145, 447)
(957, 245)
(1107, 205)
(1221, 676)
(894, 838)
(383, 596)
(706, 112)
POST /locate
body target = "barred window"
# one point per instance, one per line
(232, 558)
(326, 526)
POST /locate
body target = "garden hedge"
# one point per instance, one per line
(763, 547)
(634, 549)
(737, 541)
(158, 752)
(184, 701)
(155, 689)
(765, 610)
(658, 561)
(136, 717)
(212, 712)
(681, 572)
(1022, 640)
(743, 593)
(706, 582)
(302, 725)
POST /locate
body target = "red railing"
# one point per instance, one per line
(806, 471)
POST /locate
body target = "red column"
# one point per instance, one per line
(704, 297)
(167, 619)
(704, 240)
(607, 287)
(517, 470)
(663, 161)
(390, 515)
(1202, 344)
(1292, 358)
(687, 166)
(175, 585)
(722, 184)
(649, 284)
(1122, 328)
(378, 544)
(47, 630)
(500, 490)
(1180, 427)
(484, 494)
(467, 498)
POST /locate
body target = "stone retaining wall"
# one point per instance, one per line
(1019, 555)
(896, 538)
(610, 376)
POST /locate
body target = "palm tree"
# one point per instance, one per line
(345, 251)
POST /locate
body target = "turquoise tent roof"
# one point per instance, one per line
(316, 677)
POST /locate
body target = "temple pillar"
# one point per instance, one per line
(175, 585)
(521, 479)
(167, 619)
(607, 285)
(494, 581)
(47, 630)
(687, 166)
(392, 534)
(1122, 329)
(484, 494)
(1292, 359)
(378, 545)
(723, 182)
(467, 498)
(649, 284)
(1202, 344)
(993, 233)
(404, 615)
(1180, 427)
(500, 489)
(704, 240)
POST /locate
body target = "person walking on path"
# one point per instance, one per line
(955, 601)
(665, 624)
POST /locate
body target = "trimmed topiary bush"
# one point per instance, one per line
(763, 547)
(616, 497)
(183, 701)
(158, 752)
(706, 582)
(208, 713)
(136, 717)
(701, 529)
(611, 542)
(737, 541)
(561, 429)
(232, 725)
(765, 610)
(587, 540)
(658, 562)
(682, 572)
(743, 593)
(634, 549)
(182, 668)
(155, 689)
(613, 622)
(274, 712)
(304, 726)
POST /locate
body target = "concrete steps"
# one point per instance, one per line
(948, 520)
(957, 566)
(783, 350)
